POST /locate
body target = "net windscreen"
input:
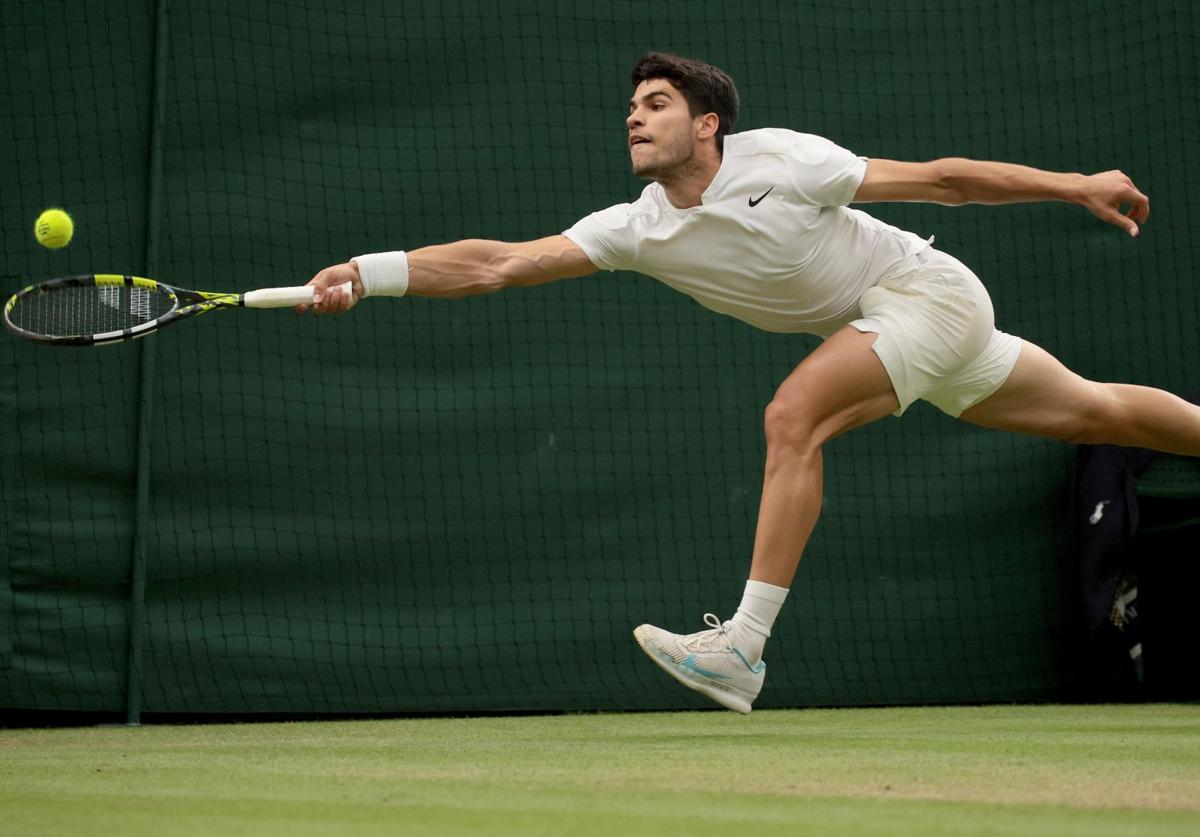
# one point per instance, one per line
(441, 505)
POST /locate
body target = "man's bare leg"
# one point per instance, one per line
(1042, 397)
(840, 386)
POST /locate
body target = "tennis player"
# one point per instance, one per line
(757, 225)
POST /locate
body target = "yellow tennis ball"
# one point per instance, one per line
(54, 229)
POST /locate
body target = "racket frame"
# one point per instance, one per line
(184, 304)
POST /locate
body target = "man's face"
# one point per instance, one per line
(661, 130)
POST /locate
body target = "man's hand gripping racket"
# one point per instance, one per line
(336, 288)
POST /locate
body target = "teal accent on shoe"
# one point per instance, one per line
(762, 664)
(690, 664)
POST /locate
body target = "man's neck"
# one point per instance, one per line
(685, 189)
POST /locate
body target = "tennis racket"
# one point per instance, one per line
(102, 308)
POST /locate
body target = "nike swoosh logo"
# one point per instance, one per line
(756, 202)
(690, 663)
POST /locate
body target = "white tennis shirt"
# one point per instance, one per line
(772, 242)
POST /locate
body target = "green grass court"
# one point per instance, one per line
(1045, 770)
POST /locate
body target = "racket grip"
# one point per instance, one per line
(283, 297)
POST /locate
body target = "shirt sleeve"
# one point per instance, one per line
(606, 237)
(824, 173)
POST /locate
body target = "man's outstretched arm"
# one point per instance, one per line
(462, 268)
(955, 181)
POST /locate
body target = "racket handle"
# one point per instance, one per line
(283, 297)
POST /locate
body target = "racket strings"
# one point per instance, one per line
(89, 309)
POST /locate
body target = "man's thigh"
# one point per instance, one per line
(842, 385)
(1041, 397)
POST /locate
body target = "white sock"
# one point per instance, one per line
(751, 625)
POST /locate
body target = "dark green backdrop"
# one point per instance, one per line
(468, 505)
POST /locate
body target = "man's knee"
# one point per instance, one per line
(791, 424)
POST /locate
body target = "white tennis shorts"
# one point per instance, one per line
(937, 334)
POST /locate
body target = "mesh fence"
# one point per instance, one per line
(440, 506)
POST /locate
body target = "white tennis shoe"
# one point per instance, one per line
(705, 661)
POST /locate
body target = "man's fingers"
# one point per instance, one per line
(1125, 222)
(1115, 199)
(1143, 207)
(1118, 220)
(326, 300)
(1139, 204)
(1139, 210)
(332, 291)
(321, 294)
(332, 299)
(303, 309)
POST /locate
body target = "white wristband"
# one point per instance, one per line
(383, 274)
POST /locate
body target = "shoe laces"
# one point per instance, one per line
(714, 640)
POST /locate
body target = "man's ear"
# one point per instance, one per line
(707, 125)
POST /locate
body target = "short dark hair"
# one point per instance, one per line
(706, 88)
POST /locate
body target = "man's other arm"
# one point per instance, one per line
(954, 181)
